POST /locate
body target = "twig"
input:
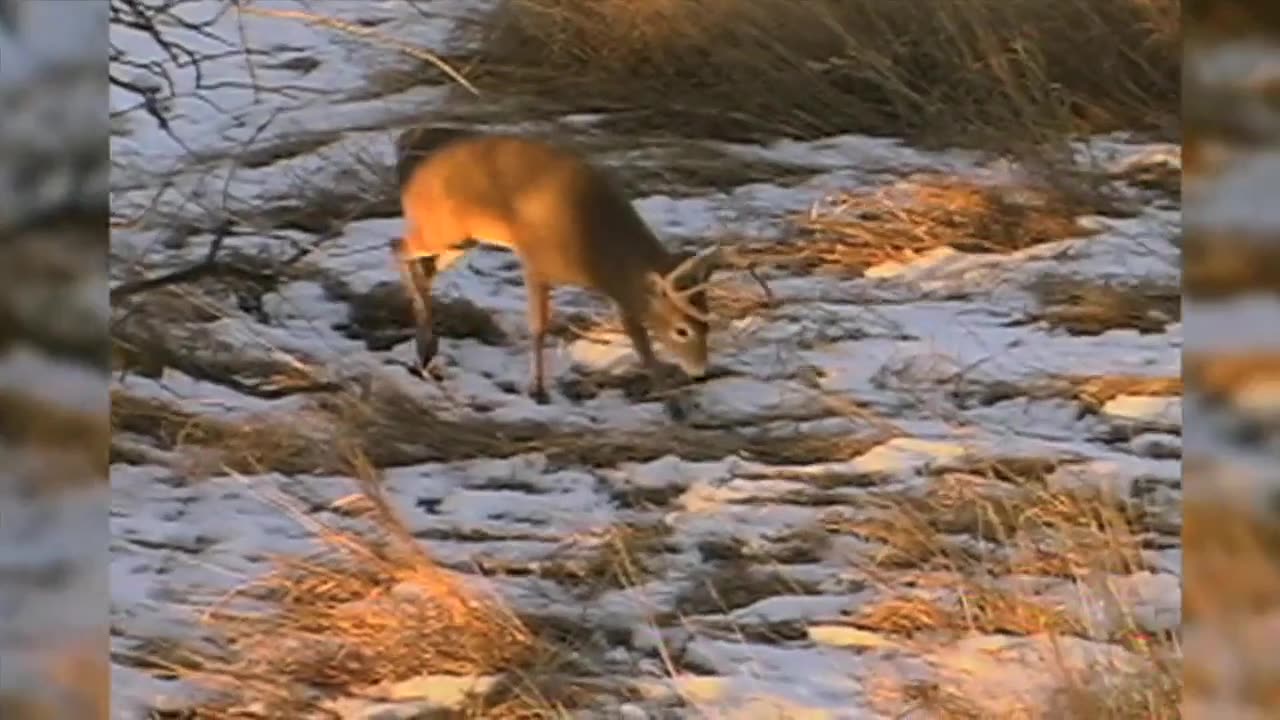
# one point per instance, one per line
(357, 30)
(210, 266)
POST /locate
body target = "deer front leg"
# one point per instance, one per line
(660, 373)
(418, 274)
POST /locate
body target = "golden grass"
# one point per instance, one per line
(937, 586)
(1153, 692)
(851, 232)
(394, 424)
(628, 556)
(950, 68)
(255, 445)
(1082, 306)
(732, 585)
(397, 430)
(1231, 377)
(1221, 265)
(385, 311)
(1230, 19)
(1046, 532)
(75, 683)
(1094, 391)
(78, 440)
(1231, 597)
(371, 608)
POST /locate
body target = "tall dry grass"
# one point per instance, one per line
(1231, 607)
(938, 587)
(368, 610)
(944, 69)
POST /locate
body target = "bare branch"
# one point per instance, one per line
(364, 32)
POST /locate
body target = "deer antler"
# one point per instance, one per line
(716, 255)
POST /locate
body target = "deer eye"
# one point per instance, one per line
(682, 332)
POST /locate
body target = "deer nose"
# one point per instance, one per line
(696, 369)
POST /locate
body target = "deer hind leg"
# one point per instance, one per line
(418, 273)
(539, 315)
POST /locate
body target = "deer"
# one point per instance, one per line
(568, 223)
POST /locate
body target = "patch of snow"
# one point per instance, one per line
(1164, 412)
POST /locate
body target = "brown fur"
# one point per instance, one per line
(567, 222)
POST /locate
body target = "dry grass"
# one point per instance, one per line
(628, 555)
(939, 586)
(216, 445)
(1043, 532)
(732, 585)
(1232, 378)
(1082, 306)
(1094, 391)
(383, 316)
(368, 610)
(977, 608)
(396, 430)
(849, 233)
(1231, 599)
(1231, 19)
(1218, 266)
(957, 68)
(75, 683)
(394, 425)
(1152, 692)
(75, 442)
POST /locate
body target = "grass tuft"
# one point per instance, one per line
(1083, 306)
(851, 232)
(369, 610)
(976, 69)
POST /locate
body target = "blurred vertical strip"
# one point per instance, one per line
(1231, 608)
(54, 429)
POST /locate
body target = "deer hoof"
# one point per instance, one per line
(539, 394)
(427, 345)
(675, 409)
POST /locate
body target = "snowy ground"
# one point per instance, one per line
(934, 369)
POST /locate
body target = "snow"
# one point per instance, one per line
(905, 348)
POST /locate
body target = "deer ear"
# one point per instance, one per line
(705, 262)
(656, 283)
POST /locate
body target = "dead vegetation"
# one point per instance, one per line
(964, 68)
(1084, 306)
(1231, 597)
(369, 610)
(212, 445)
(1091, 392)
(1232, 378)
(49, 288)
(847, 234)
(74, 682)
(649, 164)
(71, 443)
(383, 316)
(1218, 266)
(396, 430)
(939, 586)
(732, 585)
(1094, 391)
(625, 555)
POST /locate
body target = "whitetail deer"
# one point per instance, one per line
(567, 223)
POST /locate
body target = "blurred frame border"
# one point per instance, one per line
(54, 311)
(1231, 363)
